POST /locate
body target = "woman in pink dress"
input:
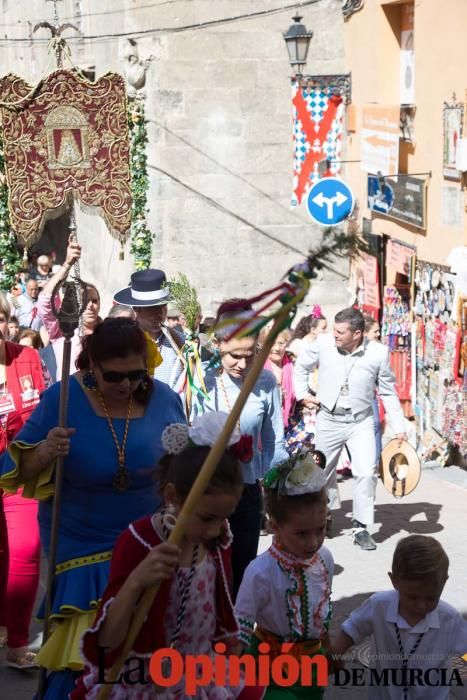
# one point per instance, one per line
(280, 364)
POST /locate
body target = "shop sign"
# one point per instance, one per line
(399, 257)
(380, 139)
(402, 198)
(367, 281)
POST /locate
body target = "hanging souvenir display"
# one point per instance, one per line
(395, 332)
(66, 138)
(396, 319)
(439, 341)
(438, 351)
(434, 291)
(454, 426)
(420, 342)
(449, 358)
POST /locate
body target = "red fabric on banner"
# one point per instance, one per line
(71, 137)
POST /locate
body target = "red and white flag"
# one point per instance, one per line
(318, 124)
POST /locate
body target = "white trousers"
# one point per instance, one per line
(332, 433)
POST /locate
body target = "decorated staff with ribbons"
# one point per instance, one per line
(117, 414)
(191, 381)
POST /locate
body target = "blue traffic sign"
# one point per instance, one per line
(330, 201)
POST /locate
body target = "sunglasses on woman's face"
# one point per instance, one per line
(134, 375)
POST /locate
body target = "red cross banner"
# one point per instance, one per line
(68, 137)
(318, 124)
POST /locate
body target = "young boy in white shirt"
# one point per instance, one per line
(414, 631)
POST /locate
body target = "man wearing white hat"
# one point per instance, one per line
(148, 295)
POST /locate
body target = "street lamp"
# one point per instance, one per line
(297, 40)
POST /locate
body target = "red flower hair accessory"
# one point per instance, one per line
(316, 311)
(243, 449)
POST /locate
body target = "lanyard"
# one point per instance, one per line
(406, 657)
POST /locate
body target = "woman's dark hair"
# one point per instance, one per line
(305, 325)
(279, 508)
(182, 470)
(113, 338)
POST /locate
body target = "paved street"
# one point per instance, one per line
(437, 507)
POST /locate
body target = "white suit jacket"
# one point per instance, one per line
(370, 370)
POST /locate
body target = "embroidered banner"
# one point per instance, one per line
(317, 131)
(68, 138)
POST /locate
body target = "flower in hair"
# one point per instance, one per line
(302, 473)
(204, 432)
(316, 311)
(243, 449)
(175, 438)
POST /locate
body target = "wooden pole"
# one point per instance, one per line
(198, 489)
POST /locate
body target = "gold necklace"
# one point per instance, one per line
(121, 480)
(227, 400)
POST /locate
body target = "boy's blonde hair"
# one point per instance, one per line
(420, 557)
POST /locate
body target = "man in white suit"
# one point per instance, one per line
(350, 369)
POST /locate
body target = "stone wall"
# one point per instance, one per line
(220, 151)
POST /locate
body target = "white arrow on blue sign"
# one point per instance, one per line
(330, 201)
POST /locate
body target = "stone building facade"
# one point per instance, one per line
(220, 133)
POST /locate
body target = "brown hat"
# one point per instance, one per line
(401, 468)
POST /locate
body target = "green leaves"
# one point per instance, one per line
(10, 259)
(141, 235)
(186, 298)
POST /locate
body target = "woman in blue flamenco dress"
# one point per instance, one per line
(116, 416)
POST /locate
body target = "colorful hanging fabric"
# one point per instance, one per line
(288, 294)
(191, 381)
(68, 137)
(318, 125)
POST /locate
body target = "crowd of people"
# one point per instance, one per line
(131, 454)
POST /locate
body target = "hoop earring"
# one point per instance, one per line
(89, 380)
(168, 518)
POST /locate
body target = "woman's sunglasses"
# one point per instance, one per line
(134, 375)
